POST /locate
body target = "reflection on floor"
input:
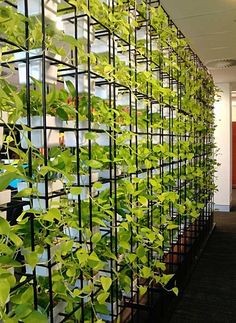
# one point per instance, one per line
(210, 296)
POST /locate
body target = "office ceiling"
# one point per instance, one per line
(210, 26)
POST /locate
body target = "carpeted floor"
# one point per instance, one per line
(210, 296)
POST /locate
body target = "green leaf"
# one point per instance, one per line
(166, 278)
(106, 283)
(31, 258)
(94, 164)
(143, 200)
(4, 227)
(4, 292)
(25, 192)
(8, 261)
(52, 214)
(91, 135)
(71, 88)
(142, 290)
(146, 272)
(96, 237)
(6, 178)
(36, 317)
(76, 190)
(175, 290)
(15, 239)
(140, 251)
(172, 226)
(99, 221)
(97, 185)
(103, 297)
(23, 310)
(62, 114)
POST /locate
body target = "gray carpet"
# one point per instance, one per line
(210, 296)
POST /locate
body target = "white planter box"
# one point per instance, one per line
(124, 57)
(127, 135)
(103, 138)
(5, 197)
(53, 186)
(35, 8)
(3, 215)
(59, 308)
(70, 136)
(71, 232)
(84, 179)
(40, 270)
(102, 46)
(141, 105)
(82, 83)
(141, 34)
(43, 260)
(82, 27)
(105, 173)
(4, 118)
(105, 186)
(40, 204)
(36, 67)
(123, 99)
(102, 92)
(156, 138)
(84, 195)
(37, 136)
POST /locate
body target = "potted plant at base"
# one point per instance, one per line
(57, 110)
(36, 51)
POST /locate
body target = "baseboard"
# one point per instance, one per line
(222, 208)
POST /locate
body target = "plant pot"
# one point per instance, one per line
(82, 27)
(103, 138)
(40, 204)
(83, 85)
(40, 270)
(105, 186)
(105, 173)
(3, 215)
(102, 92)
(37, 135)
(123, 99)
(57, 310)
(43, 260)
(35, 8)
(84, 195)
(5, 197)
(156, 138)
(124, 57)
(70, 136)
(4, 118)
(71, 232)
(84, 179)
(36, 67)
(101, 46)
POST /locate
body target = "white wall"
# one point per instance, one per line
(234, 110)
(223, 138)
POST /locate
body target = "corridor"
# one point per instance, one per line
(210, 295)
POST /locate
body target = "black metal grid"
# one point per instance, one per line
(153, 146)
